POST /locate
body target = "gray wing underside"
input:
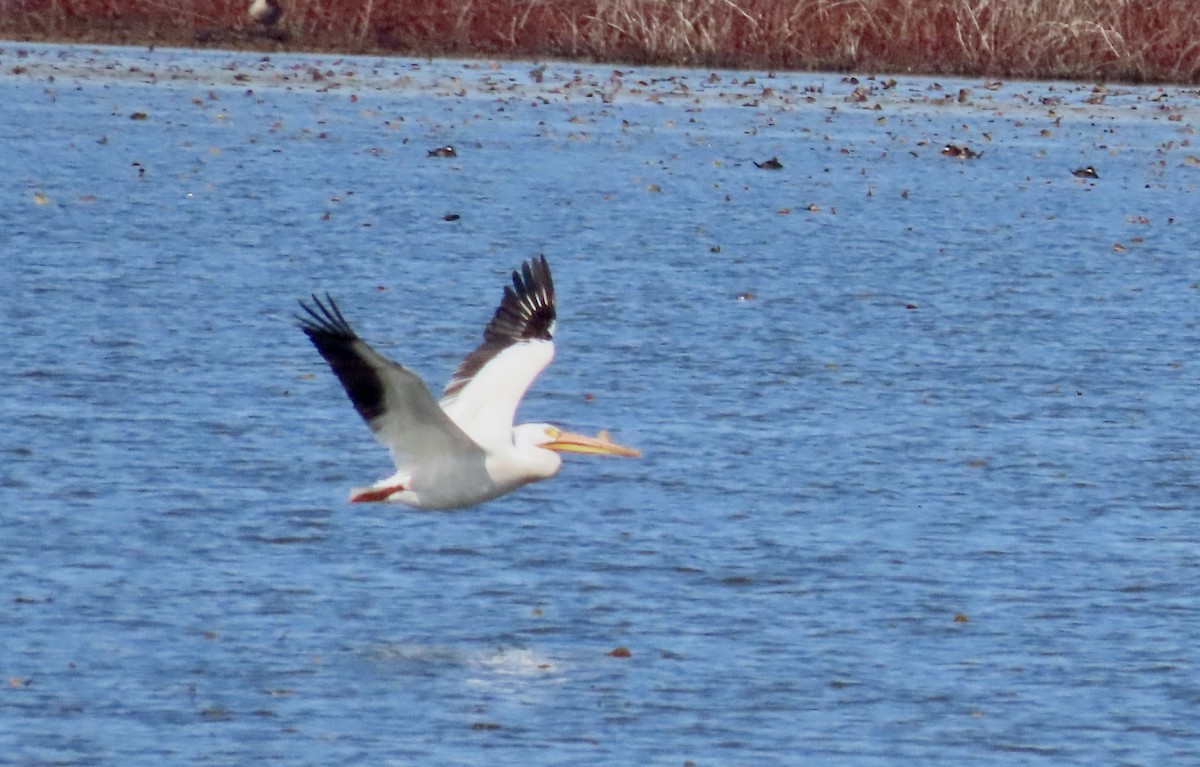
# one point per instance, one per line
(394, 401)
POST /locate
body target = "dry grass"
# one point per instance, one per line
(1129, 40)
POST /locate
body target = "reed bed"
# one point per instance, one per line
(1112, 40)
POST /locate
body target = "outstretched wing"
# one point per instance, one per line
(484, 392)
(393, 400)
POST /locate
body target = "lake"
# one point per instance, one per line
(918, 431)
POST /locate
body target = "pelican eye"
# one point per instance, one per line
(552, 432)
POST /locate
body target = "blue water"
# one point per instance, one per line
(919, 476)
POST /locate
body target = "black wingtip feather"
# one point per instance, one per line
(329, 331)
(528, 305)
(324, 320)
(527, 311)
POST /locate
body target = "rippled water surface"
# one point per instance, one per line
(919, 480)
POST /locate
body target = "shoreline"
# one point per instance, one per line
(1081, 40)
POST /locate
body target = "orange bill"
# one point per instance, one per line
(597, 445)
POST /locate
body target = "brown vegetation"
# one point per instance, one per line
(1130, 40)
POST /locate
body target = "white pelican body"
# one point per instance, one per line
(464, 450)
(265, 12)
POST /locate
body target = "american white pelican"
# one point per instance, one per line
(465, 449)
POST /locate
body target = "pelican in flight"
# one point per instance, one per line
(463, 450)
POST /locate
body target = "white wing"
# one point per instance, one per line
(484, 392)
(393, 400)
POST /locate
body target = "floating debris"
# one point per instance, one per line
(961, 152)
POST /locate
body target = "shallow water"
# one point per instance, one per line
(918, 479)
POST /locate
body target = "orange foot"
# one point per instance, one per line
(375, 494)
